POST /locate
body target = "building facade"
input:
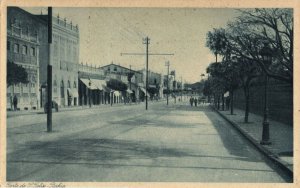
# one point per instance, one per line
(155, 83)
(23, 47)
(92, 86)
(64, 60)
(27, 45)
(133, 82)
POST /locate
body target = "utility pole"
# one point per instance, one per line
(49, 73)
(168, 65)
(175, 93)
(181, 89)
(147, 42)
(129, 77)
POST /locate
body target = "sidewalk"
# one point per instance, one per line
(281, 136)
(10, 114)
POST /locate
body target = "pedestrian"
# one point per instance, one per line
(191, 101)
(195, 101)
(15, 101)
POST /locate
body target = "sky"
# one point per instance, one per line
(105, 33)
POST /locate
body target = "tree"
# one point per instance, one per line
(16, 74)
(117, 85)
(216, 41)
(231, 70)
(248, 71)
(257, 27)
(217, 81)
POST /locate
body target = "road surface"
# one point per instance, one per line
(175, 143)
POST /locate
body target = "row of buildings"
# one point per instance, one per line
(73, 83)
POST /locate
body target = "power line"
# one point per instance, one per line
(147, 42)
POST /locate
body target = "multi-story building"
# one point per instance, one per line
(92, 86)
(27, 45)
(155, 83)
(64, 61)
(23, 47)
(135, 83)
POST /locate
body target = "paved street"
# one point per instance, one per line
(125, 143)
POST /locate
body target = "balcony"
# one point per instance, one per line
(16, 32)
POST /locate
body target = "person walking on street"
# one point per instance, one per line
(15, 101)
(191, 101)
(195, 100)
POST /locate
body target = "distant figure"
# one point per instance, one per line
(191, 101)
(195, 100)
(15, 101)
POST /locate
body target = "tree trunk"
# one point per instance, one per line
(223, 102)
(218, 102)
(247, 110)
(247, 100)
(215, 100)
(231, 102)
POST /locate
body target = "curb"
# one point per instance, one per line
(272, 156)
(74, 109)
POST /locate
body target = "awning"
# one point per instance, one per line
(117, 93)
(72, 92)
(87, 84)
(106, 89)
(144, 91)
(129, 91)
(99, 83)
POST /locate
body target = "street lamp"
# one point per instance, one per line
(266, 55)
(90, 83)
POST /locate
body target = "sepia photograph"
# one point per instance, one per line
(148, 94)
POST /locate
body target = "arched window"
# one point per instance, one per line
(74, 84)
(69, 84)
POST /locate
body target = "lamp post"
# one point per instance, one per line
(90, 83)
(266, 55)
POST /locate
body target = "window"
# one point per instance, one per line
(24, 50)
(8, 45)
(62, 91)
(74, 84)
(69, 84)
(115, 68)
(16, 48)
(32, 51)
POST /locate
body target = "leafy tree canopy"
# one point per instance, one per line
(16, 74)
(117, 85)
